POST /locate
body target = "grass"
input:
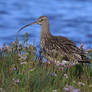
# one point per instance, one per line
(21, 72)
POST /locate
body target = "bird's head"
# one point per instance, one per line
(42, 19)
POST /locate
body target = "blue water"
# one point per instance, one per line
(70, 18)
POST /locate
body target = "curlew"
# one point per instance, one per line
(57, 48)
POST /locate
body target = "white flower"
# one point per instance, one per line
(81, 83)
(66, 76)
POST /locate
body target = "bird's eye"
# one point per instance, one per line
(41, 19)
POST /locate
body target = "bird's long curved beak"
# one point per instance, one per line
(23, 28)
(26, 26)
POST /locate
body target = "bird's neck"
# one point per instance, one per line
(45, 32)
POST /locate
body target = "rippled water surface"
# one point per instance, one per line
(70, 18)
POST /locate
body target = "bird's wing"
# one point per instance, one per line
(65, 44)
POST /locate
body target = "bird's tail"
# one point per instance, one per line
(84, 57)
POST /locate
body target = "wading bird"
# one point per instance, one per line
(56, 48)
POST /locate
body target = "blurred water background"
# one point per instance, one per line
(70, 18)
